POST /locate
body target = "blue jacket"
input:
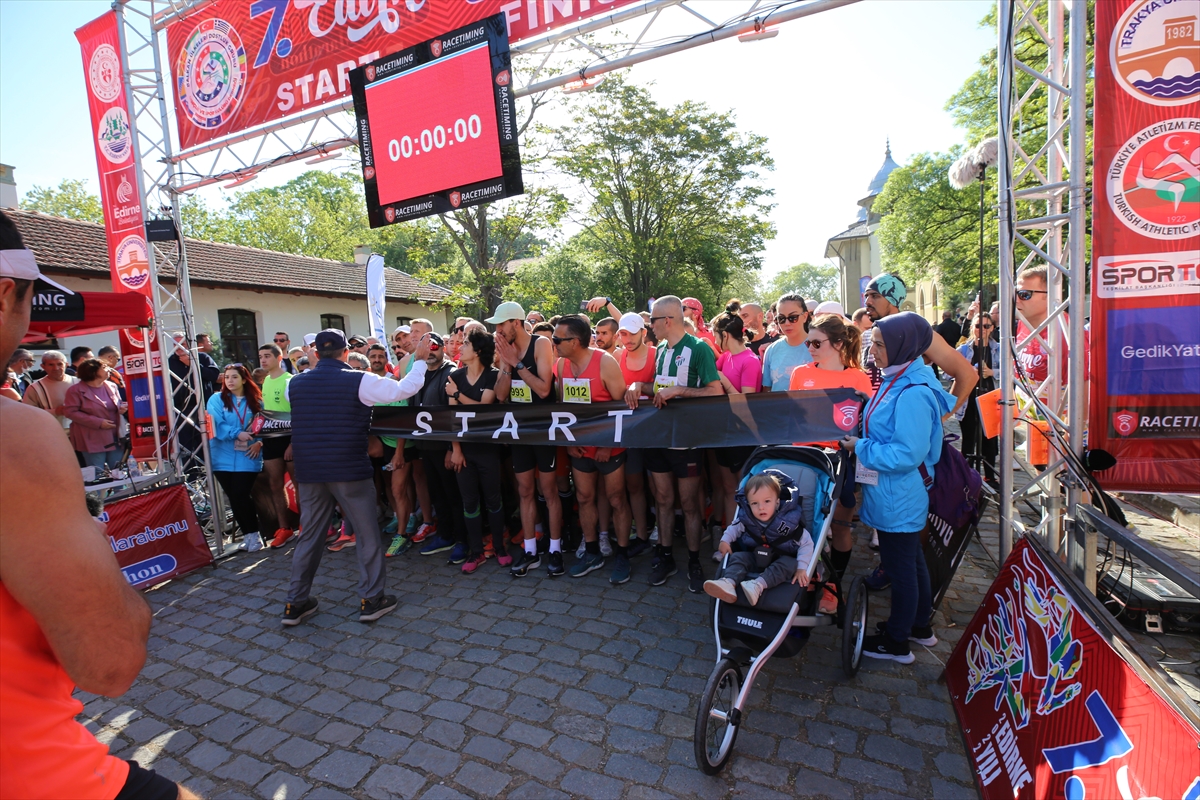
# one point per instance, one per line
(226, 426)
(902, 431)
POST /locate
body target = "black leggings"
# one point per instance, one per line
(443, 492)
(238, 486)
(480, 478)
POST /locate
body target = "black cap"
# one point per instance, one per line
(357, 341)
(435, 341)
(330, 339)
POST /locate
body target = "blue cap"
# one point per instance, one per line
(331, 339)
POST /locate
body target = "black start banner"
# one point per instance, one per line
(727, 421)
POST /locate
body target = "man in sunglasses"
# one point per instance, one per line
(884, 296)
(1033, 303)
(284, 343)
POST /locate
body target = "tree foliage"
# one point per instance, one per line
(673, 198)
(69, 199)
(811, 281)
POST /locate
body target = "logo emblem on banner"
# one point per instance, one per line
(104, 73)
(1156, 53)
(845, 415)
(114, 136)
(1154, 180)
(370, 73)
(1124, 422)
(212, 72)
(456, 198)
(133, 262)
(435, 47)
(503, 77)
(389, 214)
(368, 173)
(1148, 275)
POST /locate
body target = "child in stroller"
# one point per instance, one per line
(769, 526)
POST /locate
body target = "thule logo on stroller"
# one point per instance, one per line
(753, 623)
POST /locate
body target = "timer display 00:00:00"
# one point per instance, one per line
(435, 139)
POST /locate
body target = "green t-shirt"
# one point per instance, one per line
(690, 364)
(274, 393)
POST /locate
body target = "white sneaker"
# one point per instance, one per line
(252, 543)
(654, 535)
(605, 546)
(723, 589)
(874, 545)
(717, 557)
(752, 590)
(582, 549)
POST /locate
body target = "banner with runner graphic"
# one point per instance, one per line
(727, 421)
(1145, 324)
(155, 536)
(1049, 709)
(236, 64)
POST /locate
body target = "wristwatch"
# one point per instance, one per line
(454, 396)
(520, 366)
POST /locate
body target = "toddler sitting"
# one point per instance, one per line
(768, 517)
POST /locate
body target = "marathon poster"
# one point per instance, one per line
(727, 421)
(155, 536)
(1145, 321)
(1049, 709)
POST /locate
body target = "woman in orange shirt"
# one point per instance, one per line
(834, 346)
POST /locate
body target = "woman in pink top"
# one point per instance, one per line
(741, 373)
(95, 409)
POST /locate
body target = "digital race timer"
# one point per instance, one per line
(436, 125)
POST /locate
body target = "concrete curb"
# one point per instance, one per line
(1181, 510)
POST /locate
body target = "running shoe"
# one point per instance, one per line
(723, 589)
(436, 545)
(251, 543)
(637, 547)
(332, 534)
(504, 559)
(874, 545)
(582, 550)
(881, 646)
(695, 577)
(371, 610)
(282, 536)
(605, 546)
(295, 613)
(473, 563)
(489, 549)
(654, 535)
(589, 563)
(878, 580)
(526, 562)
(555, 566)
(661, 569)
(392, 526)
(620, 571)
(753, 590)
(922, 636)
(410, 527)
(398, 545)
(424, 531)
(458, 555)
(341, 543)
(828, 604)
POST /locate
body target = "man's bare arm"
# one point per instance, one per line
(56, 562)
(957, 367)
(542, 383)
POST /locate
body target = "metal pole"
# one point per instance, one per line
(1077, 399)
(1054, 248)
(1005, 268)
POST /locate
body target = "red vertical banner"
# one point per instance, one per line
(113, 133)
(1145, 323)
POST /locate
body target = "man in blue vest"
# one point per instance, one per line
(331, 417)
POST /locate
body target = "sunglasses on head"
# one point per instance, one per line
(815, 344)
(233, 366)
(789, 318)
(1027, 294)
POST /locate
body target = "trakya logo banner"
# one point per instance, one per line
(726, 421)
(1145, 339)
(155, 536)
(237, 64)
(1049, 709)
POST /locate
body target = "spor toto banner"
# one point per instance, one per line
(1145, 324)
(1049, 709)
(726, 421)
(155, 536)
(236, 64)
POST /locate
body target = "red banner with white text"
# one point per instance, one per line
(236, 64)
(155, 536)
(112, 136)
(1050, 710)
(1145, 323)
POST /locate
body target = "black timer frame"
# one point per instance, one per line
(507, 184)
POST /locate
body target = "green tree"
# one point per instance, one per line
(674, 199)
(70, 199)
(811, 281)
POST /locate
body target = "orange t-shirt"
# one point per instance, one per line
(44, 752)
(810, 376)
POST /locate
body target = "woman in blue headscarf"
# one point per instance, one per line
(902, 430)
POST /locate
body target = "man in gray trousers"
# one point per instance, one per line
(331, 417)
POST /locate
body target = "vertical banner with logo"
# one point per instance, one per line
(377, 297)
(1049, 709)
(155, 536)
(1145, 323)
(137, 385)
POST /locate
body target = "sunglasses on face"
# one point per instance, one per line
(561, 339)
(656, 319)
(815, 344)
(790, 318)
(984, 327)
(459, 329)
(281, 341)
(1027, 294)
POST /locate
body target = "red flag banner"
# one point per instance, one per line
(237, 64)
(155, 536)
(1049, 709)
(112, 133)
(1145, 323)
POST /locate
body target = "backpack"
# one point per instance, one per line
(955, 492)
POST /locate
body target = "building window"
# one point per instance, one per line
(337, 321)
(239, 336)
(403, 321)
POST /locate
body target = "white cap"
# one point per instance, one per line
(21, 265)
(631, 322)
(309, 338)
(402, 329)
(831, 307)
(812, 304)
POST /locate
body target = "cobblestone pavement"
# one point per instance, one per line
(489, 686)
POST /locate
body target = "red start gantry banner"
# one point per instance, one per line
(1145, 323)
(1049, 710)
(236, 64)
(155, 536)
(112, 135)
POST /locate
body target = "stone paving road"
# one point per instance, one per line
(487, 686)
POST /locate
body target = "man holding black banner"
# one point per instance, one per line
(331, 418)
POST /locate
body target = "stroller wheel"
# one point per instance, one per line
(717, 721)
(854, 626)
